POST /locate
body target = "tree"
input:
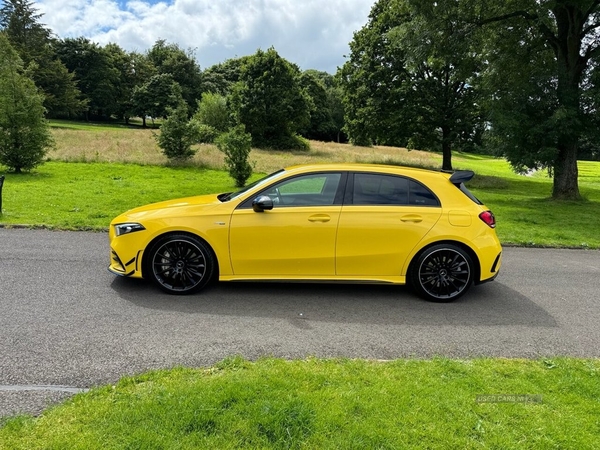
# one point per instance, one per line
(34, 44)
(411, 77)
(320, 89)
(212, 111)
(236, 144)
(443, 62)
(270, 102)
(20, 21)
(374, 80)
(134, 70)
(221, 77)
(182, 66)
(178, 134)
(95, 72)
(155, 97)
(62, 97)
(24, 133)
(554, 44)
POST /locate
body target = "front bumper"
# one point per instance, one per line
(124, 269)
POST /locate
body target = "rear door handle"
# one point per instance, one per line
(411, 218)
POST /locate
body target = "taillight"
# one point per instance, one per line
(488, 218)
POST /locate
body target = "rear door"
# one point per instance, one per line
(383, 218)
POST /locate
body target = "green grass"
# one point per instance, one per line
(88, 196)
(98, 126)
(111, 169)
(329, 404)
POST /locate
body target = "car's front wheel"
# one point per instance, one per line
(442, 273)
(180, 264)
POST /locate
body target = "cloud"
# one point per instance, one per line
(311, 33)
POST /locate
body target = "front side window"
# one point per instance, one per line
(318, 189)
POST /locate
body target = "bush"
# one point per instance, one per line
(236, 144)
(294, 142)
(212, 111)
(206, 133)
(178, 134)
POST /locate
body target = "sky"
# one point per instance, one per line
(314, 34)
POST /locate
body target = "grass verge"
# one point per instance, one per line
(330, 404)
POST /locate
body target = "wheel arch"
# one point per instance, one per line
(472, 254)
(146, 253)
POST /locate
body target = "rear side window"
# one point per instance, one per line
(380, 189)
(421, 196)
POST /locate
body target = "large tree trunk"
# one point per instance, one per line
(571, 65)
(566, 174)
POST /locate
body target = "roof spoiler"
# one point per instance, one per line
(461, 176)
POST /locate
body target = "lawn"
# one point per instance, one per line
(331, 404)
(86, 196)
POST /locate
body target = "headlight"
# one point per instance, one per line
(126, 228)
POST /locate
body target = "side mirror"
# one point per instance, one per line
(262, 203)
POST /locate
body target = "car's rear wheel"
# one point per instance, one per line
(180, 264)
(442, 273)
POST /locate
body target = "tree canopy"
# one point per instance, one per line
(34, 44)
(411, 78)
(182, 66)
(543, 56)
(270, 102)
(155, 97)
(520, 76)
(24, 133)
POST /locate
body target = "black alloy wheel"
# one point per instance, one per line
(442, 273)
(181, 264)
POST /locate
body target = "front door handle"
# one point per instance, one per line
(319, 218)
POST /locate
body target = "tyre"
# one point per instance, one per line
(180, 264)
(442, 273)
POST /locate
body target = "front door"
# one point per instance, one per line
(295, 238)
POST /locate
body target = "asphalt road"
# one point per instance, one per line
(65, 322)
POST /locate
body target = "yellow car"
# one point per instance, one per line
(350, 223)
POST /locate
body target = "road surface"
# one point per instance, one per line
(68, 324)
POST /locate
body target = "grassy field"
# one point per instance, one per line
(331, 404)
(98, 171)
(87, 196)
